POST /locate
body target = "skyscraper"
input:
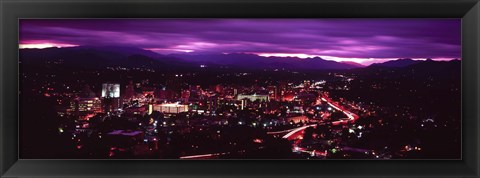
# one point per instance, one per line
(110, 90)
(111, 96)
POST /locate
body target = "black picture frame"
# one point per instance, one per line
(12, 10)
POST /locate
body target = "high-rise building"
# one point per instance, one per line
(307, 84)
(273, 92)
(235, 92)
(112, 104)
(110, 90)
(243, 105)
(212, 103)
(111, 97)
(282, 89)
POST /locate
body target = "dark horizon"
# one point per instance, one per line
(193, 54)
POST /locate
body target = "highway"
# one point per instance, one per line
(350, 115)
(296, 134)
(203, 156)
(293, 133)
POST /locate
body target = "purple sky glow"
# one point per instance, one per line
(363, 41)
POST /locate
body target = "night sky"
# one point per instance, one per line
(364, 41)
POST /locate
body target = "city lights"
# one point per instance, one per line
(217, 89)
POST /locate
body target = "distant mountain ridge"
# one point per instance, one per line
(402, 62)
(101, 57)
(92, 56)
(109, 56)
(253, 61)
(420, 69)
(353, 63)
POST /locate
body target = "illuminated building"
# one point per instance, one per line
(172, 108)
(289, 96)
(306, 84)
(148, 95)
(150, 109)
(297, 110)
(219, 88)
(110, 90)
(85, 105)
(212, 103)
(244, 104)
(282, 87)
(111, 96)
(273, 92)
(253, 97)
(111, 104)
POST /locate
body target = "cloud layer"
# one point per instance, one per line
(360, 40)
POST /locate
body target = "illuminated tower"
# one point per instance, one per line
(306, 84)
(273, 92)
(110, 90)
(111, 96)
(244, 104)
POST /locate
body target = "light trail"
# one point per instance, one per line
(349, 114)
(313, 153)
(351, 117)
(279, 132)
(202, 156)
(297, 130)
(291, 133)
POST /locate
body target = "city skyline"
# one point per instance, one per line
(363, 41)
(239, 89)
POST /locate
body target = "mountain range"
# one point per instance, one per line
(111, 56)
(252, 61)
(402, 62)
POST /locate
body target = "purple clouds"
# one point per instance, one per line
(359, 40)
